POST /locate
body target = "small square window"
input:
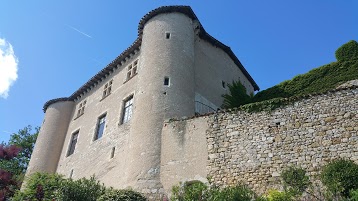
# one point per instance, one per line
(166, 81)
(101, 123)
(132, 69)
(72, 147)
(167, 35)
(81, 108)
(127, 110)
(107, 89)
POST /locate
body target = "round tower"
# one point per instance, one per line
(165, 90)
(51, 137)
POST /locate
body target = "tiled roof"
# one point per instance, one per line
(136, 46)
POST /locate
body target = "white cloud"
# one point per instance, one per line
(8, 67)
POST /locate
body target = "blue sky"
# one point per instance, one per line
(58, 45)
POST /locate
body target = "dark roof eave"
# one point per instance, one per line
(52, 101)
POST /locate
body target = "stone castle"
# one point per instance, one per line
(111, 127)
(136, 123)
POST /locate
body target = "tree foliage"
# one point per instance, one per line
(48, 182)
(25, 139)
(237, 95)
(340, 177)
(121, 195)
(7, 183)
(79, 190)
(196, 190)
(295, 180)
(44, 186)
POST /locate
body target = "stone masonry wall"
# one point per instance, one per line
(255, 147)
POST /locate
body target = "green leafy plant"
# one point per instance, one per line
(232, 193)
(354, 195)
(196, 191)
(43, 186)
(237, 95)
(267, 105)
(121, 195)
(295, 180)
(320, 79)
(275, 195)
(347, 51)
(340, 177)
(50, 184)
(79, 190)
(189, 191)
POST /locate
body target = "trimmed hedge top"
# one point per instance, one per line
(320, 79)
(347, 51)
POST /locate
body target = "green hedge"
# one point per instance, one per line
(347, 51)
(121, 195)
(317, 80)
(55, 187)
(50, 183)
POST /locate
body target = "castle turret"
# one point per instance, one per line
(50, 140)
(165, 90)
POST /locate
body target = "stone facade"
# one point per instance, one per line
(173, 69)
(253, 148)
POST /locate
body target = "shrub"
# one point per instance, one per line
(340, 177)
(275, 195)
(49, 183)
(121, 195)
(191, 190)
(196, 190)
(354, 195)
(347, 51)
(239, 192)
(295, 180)
(237, 95)
(79, 190)
(317, 80)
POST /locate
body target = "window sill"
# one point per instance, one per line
(105, 97)
(78, 116)
(130, 78)
(68, 156)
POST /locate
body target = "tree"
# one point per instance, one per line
(24, 139)
(340, 177)
(237, 95)
(7, 183)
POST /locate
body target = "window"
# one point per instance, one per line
(127, 110)
(71, 174)
(132, 69)
(223, 83)
(81, 108)
(112, 151)
(107, 89)
(166, 81)
(100, 126)
(73, 143)
(167, 35)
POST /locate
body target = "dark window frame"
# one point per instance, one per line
(107, 89)
(127, 110)
(166, 81)
(73, 143)
(100, 127)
